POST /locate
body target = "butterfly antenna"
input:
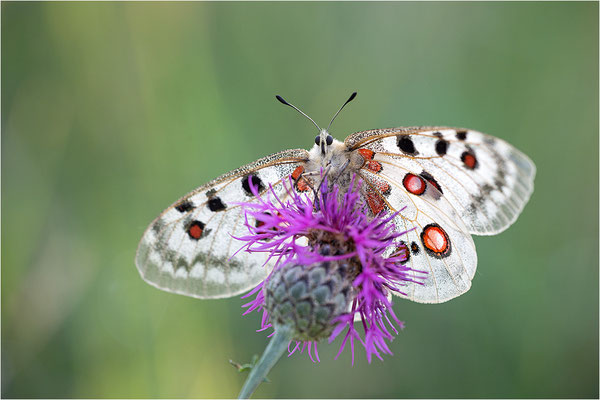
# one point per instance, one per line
(278, 97)
(352, 96)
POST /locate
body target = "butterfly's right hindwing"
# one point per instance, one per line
(440, 275)
(188, 249)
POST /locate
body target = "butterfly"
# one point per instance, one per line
(446, 183)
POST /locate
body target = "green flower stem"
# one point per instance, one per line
(275, 349)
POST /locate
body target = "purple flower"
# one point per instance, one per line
(333, 268)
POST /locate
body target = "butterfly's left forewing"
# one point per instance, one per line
(188, 249)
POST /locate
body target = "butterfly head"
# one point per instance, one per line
(327, 153)
(323, 141)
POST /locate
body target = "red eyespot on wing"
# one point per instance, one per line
(184, 206)
(401, 251)
(195, 230)
(469, 160)
(297, 172)
(366, 154)
(373, 166)
(261, 230)
(414, 184)
(260, 223)
(435, 240)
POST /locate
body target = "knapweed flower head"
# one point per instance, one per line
(330, 272)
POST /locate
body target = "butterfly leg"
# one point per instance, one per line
(341, 171)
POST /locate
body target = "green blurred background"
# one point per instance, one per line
(111, 111)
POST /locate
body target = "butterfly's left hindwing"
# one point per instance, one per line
(188, 249)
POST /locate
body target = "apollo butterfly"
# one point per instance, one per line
(449, 183)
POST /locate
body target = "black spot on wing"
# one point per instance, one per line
(429, 178)
(441, 147)
(184, 206)
(256, 182)
(414, 248)
(406, 145)
(216, 204)
(461, 135)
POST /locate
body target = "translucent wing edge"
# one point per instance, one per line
(527, 172)
(178, 285)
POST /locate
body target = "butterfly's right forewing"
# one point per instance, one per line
(188, 249)
(487, 181)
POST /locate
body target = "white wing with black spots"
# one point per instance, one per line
(487, 181)
(445, 276)
(437, 242)
(188, 249)
(448, 182)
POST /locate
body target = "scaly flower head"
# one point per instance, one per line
(330, 268)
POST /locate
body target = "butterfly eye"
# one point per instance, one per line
(329, 140)
(318, 140)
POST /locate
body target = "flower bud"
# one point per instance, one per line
(308, 298)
